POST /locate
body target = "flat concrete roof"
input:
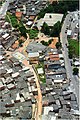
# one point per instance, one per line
(34, 54)
(50, 19)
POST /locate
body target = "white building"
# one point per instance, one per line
(50, 19)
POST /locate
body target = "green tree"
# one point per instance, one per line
(56, 30)
(45, 29)
(20, 42)
(44, 43)
(58, 45)
(75, 71)
(50, 41)
(70, 55)
(61, 6)
(22, 29)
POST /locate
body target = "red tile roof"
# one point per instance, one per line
(18, 14)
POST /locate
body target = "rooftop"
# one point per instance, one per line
(50, 19)
(33, 54)
(35, 47)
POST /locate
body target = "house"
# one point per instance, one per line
(77, 63)
(2, 108)
(15, 75)
(31, 18)
(2, 72)
(24, 9)
(11, 86)
(1, 57)
(53, 65)
(54, 57)
(9, 102)
(2, 86)
(49, 117)
(29, 23)
(18, 14)
(5, 36)
(47, 109)
(34, 56)
(9, 80)
(57, 80)
(13, 59)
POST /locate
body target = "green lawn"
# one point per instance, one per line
(41, 64)
(42, 78)
(32, 33)
(14, 22)
(11, 18)
(74, 47)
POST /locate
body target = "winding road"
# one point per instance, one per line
(74, 84)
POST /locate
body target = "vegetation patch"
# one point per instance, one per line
(42, 77)
(14, 22)
(53, 31)
(47, 43)
(75, 71)
(33, 33)
(45, 29)
(73, 48)
(20, 42)
(22, 29)
(60, 7)
(58, 45)
(12, 19)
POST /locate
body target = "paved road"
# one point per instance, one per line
(74, 81)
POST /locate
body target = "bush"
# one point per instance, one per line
(44, 43)
(20, 42)
(47, 43)
(70, 55)
(50, 41)
(75, 71)
(58, 45)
